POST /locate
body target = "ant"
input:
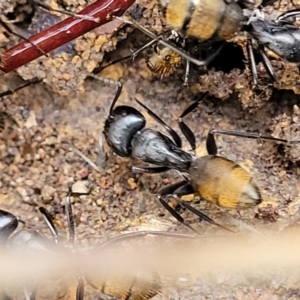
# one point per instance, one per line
(280, 36)
(214, 178)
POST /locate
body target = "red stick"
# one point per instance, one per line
(62, 33)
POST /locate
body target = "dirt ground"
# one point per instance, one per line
(44, 119)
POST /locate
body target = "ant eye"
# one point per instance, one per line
(168, 58)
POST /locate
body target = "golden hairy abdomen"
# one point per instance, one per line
(207, 18)
(176, 12)
(128, 288)
(164, 62)
(223, 182)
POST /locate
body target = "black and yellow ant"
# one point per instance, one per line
(213, 178)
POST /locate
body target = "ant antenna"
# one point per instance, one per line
(111, 82)
(133, 55)
(65, 12)
(163, 42)
(170, 130)
(70, 215)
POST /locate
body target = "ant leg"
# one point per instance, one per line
(101, 157)
(267, 2)
(250, 135)
(288, 14)
(9, 30)
(201, 215)
(80, 290)
(187, 73)
(6, 93)
(70, 216)
(34, 292)
(26, 294)
(112, 82)
(48, 220)
(3, 117)
(10, 92)
(133, 55)
(32, 295)
(171, 131)
(187, 132)
(65, 12)
(71, 231)
(85, 158)
(148, 170)
(251, 58)
(182, 188)
(266, 62)
(185, 55)
(139, 234)
(215, 54)
(211, 145)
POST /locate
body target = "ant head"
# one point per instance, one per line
(120, 127)
(8, 224)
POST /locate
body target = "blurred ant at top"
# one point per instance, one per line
(213, 23)
(25, 241)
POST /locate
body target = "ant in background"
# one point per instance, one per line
(280, 36)
(226, 18)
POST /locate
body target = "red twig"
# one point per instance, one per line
(62, 33)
